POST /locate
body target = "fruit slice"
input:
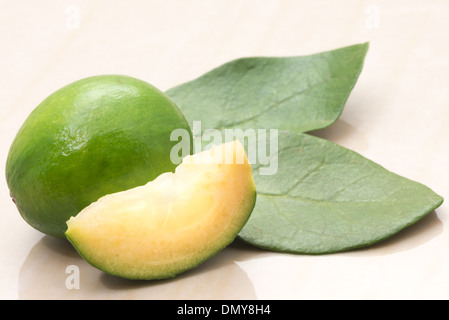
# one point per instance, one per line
(171, 224)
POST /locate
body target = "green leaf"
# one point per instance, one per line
(298, 94)
(325, 198)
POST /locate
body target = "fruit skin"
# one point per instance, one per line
(170, 225)
(96, 136)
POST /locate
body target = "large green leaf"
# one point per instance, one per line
(325, 198)
(288, 93)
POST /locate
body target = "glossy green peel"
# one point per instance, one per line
(96, 136)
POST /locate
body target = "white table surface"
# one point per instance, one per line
(397, 115)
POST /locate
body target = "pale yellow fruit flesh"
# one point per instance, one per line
(174, 222)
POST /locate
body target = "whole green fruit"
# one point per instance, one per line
(93, 137)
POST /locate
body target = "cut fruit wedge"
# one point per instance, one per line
(173, 223)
